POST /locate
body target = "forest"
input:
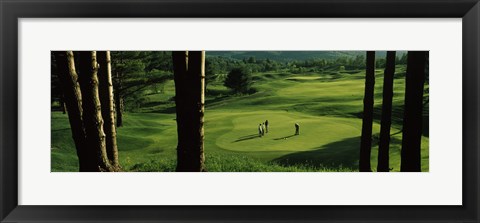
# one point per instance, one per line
(239, 111)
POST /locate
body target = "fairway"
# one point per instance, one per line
(327, 106)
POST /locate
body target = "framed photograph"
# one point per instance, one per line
(255, 111)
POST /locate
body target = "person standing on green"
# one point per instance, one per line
(263, 128)
(297, 129)
(260, 130)
(266, 126)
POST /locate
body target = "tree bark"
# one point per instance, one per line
(62, 104)
(73, 101)
(118, 96)
(108, 106)
(366, 139)
(383, 164)
(412, 120)
(189, 77)
(118, 100)
(92, 116)
(119, 108)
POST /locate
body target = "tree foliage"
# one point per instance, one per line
(239, 80)
(137, 71)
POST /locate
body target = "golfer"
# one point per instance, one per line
(263, 128)
(260, 130)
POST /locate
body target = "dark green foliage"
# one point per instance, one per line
(220, 65)
(56, 91)
(380, 63)
(239, 80)
(158, 60)
(126, 63)
(136, 73)
(285, 56)
(210, 72)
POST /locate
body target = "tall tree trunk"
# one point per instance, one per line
(201, 106)
(108, 106)
(119, 108)
(118, 96)
(92, 114)
(62, 104)
(384, 144)
(366, 139)
(189, 77)
(412, 120)
(118, 101)
(73, 100)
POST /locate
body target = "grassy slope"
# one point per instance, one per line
(327, 107)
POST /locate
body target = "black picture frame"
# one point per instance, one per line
(12, 10)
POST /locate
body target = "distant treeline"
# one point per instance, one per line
(222, 64)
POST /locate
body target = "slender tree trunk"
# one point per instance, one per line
(197, 68)
(180, 67)
(384, 144)
(118, 95)
(366, 139)
(73, 100)
(412, 120)
(118, 102)
(92, 115)
(108, 106)
(189, 76)
(62, 104)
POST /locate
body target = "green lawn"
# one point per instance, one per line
(327, 106)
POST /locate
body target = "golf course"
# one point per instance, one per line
(327, 105)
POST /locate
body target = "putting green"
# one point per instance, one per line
(315, 131)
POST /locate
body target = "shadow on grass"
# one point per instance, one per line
(155, 103)
(285, 137)
(337, 154)
(58, 130)
(397, 117)
(167, 110)
(216, 99)
(247, 137)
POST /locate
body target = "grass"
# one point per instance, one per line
(328, 108)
